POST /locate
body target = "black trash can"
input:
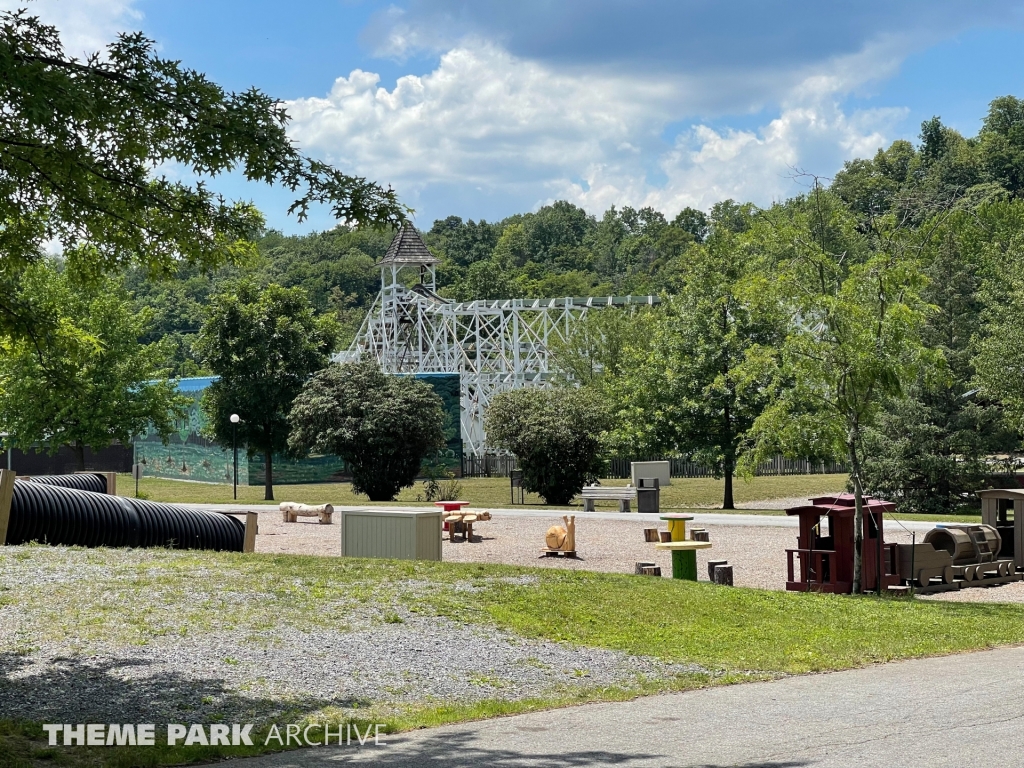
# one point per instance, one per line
(648, 495)
(516, 481)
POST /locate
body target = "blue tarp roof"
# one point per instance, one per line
(196, 384)
(199, 383)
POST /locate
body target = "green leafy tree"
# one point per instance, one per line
(513, 248)
(554, 233)
(596, 349)
(335, 268)
(80, 141)
(854, 338)
(487, 279)
(263, 345)
(870, 187)
(555, 433)
(78, 376)
(462, 243)
(928, 450)
(689, 391)
(1000, 355)
(1002, 143)
(693, 222)
(382, 426)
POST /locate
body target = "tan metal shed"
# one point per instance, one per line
(402, 534)
(662, 470)
(1008, 529)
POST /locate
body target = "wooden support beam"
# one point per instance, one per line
(989, 511)
(6, 494)
(251, 529)
(111, 478)
(1018, 533)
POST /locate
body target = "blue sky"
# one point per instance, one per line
(486, 108)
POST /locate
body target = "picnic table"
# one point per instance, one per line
(451, 506)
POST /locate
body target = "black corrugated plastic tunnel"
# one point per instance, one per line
(84, 482)
(53, 514)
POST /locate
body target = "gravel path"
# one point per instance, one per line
(614, 544)
(205, 651)
(232, 677)
(611, 544)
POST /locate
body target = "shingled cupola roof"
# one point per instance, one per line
(408, 248)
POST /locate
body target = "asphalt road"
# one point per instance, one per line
(955, 711)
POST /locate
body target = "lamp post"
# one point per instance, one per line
(234, 445)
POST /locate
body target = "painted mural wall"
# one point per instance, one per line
(191, 456)
(188, 455)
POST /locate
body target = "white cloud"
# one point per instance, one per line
(729, 58)
(519, 129)
(706, 166)
(86, 26)
(482, 117)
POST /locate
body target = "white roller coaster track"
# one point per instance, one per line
(493, 346)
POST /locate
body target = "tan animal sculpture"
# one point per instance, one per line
(562, 539)
(555, 537)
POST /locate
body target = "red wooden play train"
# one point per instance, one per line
(949, 557)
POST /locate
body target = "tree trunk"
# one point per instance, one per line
(858, 509)
(729, 463)
(727, 502)
(79, 455)
(268, 480)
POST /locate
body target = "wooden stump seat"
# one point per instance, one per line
(292, 511)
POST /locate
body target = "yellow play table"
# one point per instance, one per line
(684, 553)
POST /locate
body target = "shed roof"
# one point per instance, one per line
(408, 248)
(840, 504)
(1001, 493)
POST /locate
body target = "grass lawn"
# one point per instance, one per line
(690, 493)
(137, 597)
(684, 494)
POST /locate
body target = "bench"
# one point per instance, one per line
(623, 495)
(465, 520)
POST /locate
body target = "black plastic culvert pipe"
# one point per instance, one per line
(85, 482)
(54, 514)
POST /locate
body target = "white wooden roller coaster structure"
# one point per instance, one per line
(494, 346)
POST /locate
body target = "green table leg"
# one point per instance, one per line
(684, 564)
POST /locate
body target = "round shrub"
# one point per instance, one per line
(556, 434)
